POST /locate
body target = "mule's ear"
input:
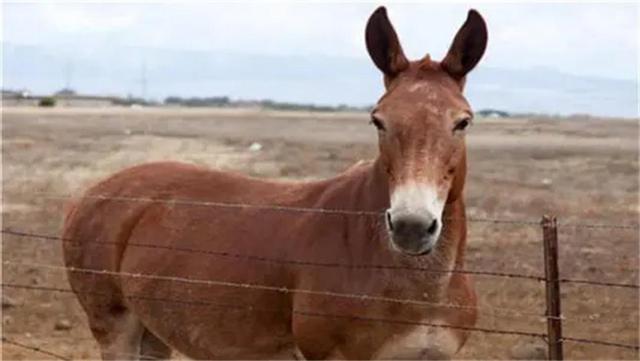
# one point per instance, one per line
(383, 44)
(467, 47)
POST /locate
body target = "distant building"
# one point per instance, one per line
(17, 97)
(65, 92)
(63, 98)
(492, 113)
(89, 101)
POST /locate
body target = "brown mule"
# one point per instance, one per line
(412, 215)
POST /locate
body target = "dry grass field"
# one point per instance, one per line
(582, 170)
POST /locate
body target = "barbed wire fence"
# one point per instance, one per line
(552, 280)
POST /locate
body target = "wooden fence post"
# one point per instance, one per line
(554, 314)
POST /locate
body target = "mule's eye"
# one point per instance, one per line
(377, 123)
(462, 124)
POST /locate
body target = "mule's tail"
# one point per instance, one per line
(69, 209)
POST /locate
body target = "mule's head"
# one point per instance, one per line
(421, 121)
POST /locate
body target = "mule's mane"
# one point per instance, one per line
(426, 60)
(426, 64)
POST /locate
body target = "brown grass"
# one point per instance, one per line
(582, 171)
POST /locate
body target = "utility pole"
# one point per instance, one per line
(143, 80)
(68, 71)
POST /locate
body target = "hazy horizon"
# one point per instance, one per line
(545, 58)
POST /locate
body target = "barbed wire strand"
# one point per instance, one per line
(281, 261)
(598, 225)
(329, 211)
(573, 318)
(281, 289)
(299, 312)
(216, 204)
(599, 283)
(602, 343)
(35, 349)
(225, 307)
(132, 356)
(497, 312)
(323, 264)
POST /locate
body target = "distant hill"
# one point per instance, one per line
(313, 80)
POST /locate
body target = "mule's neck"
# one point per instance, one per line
(375, 194)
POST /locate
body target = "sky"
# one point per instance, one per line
(597, 40)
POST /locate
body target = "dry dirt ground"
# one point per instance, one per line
(582, 170)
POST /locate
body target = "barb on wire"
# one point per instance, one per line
(602, 343)
(280, 289)
(295, 311)
(283, 261)
(35, 349)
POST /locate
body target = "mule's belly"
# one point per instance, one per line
(214, 332)
(212, 343)
(204, 311)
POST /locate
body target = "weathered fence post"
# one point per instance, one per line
(554, 314)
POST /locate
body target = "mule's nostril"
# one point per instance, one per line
(389, 221)
(433, 227)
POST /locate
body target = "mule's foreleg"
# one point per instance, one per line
(152, 348)
(123, 337)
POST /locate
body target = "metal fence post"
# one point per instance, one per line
(554, 314)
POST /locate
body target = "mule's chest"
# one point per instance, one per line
(420, 343)
(378, 339)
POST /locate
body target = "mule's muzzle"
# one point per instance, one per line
(414, 234)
